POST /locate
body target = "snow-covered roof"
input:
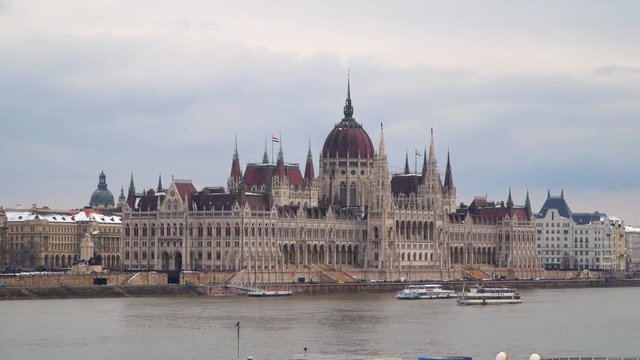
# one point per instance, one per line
(89, 215)
(631, 229)
(21, 216)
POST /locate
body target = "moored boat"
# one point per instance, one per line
(478, 295)
(266, 293)
(424, 291)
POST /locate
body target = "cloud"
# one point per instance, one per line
(167, 94)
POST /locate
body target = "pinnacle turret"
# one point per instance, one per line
(160, 188)
(309, 174)
(132, 188)
(527, 205)
(236, 173)
(448, 177)
(406, 163)
(265, 156)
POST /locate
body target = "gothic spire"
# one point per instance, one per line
(510, 200)
(562, 193)
(309, 174)
(348, 108)
(235, 150)
(432, 151)
(548, 194)
(265, 156)
(280, 153)
(527, 205)
(160, 188)
(132, 188)
(424, 162)
(280, 169)
(406, 163)
(381, 151)
(236, 173)
(448, 177)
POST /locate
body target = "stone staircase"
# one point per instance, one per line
(475, 273)
(335, 275)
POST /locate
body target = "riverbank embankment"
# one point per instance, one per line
(192, 290)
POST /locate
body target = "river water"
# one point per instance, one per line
(558, 322)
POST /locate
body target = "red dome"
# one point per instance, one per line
(348, 140)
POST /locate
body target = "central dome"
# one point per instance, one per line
(348, 140)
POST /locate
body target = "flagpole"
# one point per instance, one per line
(415, 161)
(272, 159)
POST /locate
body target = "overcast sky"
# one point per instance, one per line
(525, 94)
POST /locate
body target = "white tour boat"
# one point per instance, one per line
(265, 293)
(478, 295)
(427, 291)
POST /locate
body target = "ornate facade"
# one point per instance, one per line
(353, 215)
(42, 238)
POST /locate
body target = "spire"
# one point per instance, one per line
(132, 188)
(280, 170)
(265, 156)
(160, 188)
(432, 152)
(348, 108)
(381, 151)
(406, 163)
(236, 173)
(548, 194)
(235, 150)
(448, 177)
(309, 174)
(527, 205)
(510, 200)
(424, 164)
(562, 193)
(280, 153)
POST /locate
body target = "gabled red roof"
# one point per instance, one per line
(185, 189)
(259, 174)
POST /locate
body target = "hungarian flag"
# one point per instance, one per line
(418, 153)
(275, 139)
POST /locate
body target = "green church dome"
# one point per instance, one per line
(102, 197)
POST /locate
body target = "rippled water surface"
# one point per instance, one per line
(602, 321)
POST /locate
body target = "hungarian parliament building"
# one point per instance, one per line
(353, 215)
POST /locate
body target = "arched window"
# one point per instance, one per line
(343, 194)
(153, 229)
(127, 230)
(352, 194)
(135, 229)
(144, 229)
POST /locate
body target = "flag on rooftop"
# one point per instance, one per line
(275, 139)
